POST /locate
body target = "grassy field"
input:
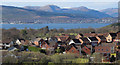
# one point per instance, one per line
(34, 49)
(78, 60)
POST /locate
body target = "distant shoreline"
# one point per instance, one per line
(55, 26)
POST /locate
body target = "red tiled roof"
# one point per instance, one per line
(6, 40)
(63, 38)
(90, 34)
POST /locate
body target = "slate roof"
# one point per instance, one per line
(76, 40)
(84, 39)
(93, 38)
(113, 34)
(6, 41)
(59, 42)
(101, 37)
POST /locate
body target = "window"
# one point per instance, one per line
(72, 50)
(109, 40)
(98, 49)
(102, 49)
(106, 49)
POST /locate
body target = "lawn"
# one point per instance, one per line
(34, 49)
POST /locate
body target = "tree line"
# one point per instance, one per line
(28, 34)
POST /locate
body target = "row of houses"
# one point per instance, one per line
(82, 44)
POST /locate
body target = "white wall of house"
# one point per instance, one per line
(109, 38)
(18, 42)
(71, 41)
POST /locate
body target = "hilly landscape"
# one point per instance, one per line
(53, 14)
(111, 11)
(76, 11)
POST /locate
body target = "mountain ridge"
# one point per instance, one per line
(26, 15)
(76, 10)
(111, 11)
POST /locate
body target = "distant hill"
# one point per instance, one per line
(77, 11)
(115, 24)
(111, 11)
(53, 14)
(11, 13)
(115, 27)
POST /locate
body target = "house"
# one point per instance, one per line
(48, 46)
(71, 49)
(111, 45)
(86, 49)
(101, 39)
(104, 49)
(63, 38)
(75, 41)
(20, 41)
(44, 45)
(84, 40)
(14, 47)
(52, 40)
(117, 39)
(93, 41)
(59, 43)
(79, 36)
(38, 41)
(27, 42)
(111, 36)
(6, 43)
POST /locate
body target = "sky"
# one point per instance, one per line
(92, 4)
(59, 0)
